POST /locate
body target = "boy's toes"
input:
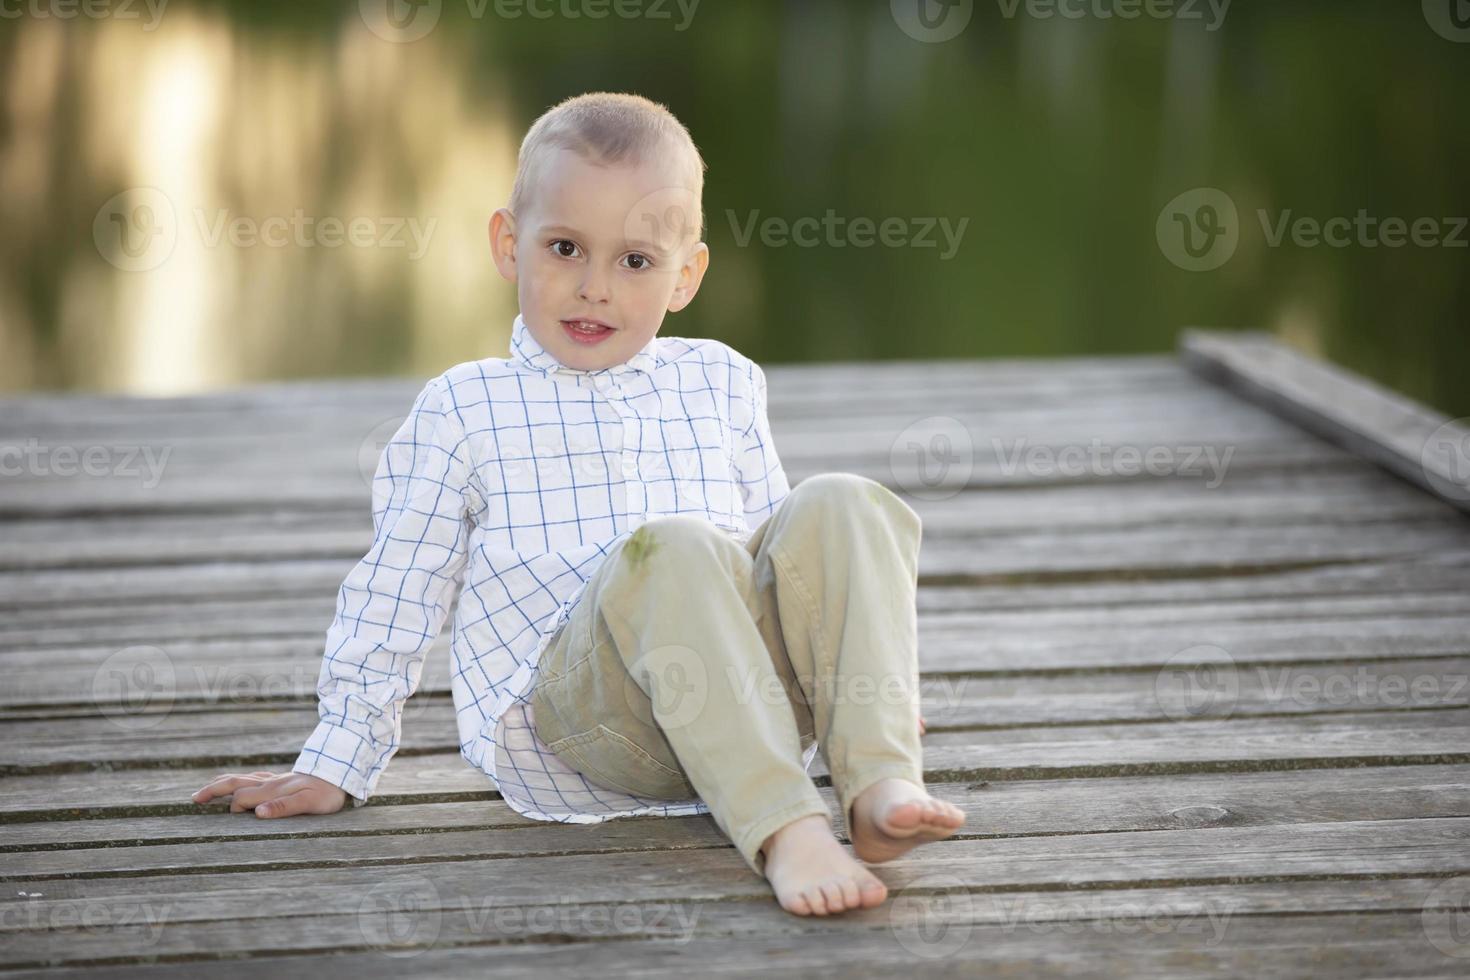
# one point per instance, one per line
(797, 904)
(871, 892)
(836, 900)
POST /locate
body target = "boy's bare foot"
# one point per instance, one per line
(893, 816)
(811, 873)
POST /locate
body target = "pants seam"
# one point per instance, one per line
(755, 835)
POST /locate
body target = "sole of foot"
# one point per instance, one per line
(812, 874)
(893, 816)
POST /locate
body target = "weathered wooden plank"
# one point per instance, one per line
(935, 930)
(994, 808)
(981, 559)
(267, 668)
(1416, 442)
(332, 477)
(1243, 744)
(220, 842)
(1325, 944)
(225, 729)
(308, 618)
(1175, 859)
(307, 608)
(1342, 501)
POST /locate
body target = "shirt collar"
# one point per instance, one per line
(527, 352)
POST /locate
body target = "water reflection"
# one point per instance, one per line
(272, 190)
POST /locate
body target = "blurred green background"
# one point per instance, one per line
(1059, 140)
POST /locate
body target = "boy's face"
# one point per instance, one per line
(606, 245)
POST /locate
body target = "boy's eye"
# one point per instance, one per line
(638, 261)
(564, 247)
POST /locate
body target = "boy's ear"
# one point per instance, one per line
(691, 274)
(503, 243)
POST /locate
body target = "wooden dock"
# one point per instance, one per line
(1206, 719)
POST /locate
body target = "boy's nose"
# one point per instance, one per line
(594, 287)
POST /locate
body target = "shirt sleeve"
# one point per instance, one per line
(393, 602)
(762, 479)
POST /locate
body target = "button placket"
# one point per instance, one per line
(635, 492)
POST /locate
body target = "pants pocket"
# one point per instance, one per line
(612, 760)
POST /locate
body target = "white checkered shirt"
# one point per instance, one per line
(511, 479)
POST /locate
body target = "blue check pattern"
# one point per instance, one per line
(500, 494)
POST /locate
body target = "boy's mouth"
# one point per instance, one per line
(586, 331)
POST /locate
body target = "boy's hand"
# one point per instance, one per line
(272, 794)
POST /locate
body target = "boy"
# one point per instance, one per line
(705, 661)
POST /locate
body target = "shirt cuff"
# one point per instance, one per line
(343, 758)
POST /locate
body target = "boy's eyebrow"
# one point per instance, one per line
(571, 232)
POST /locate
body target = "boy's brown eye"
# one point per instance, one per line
(636, 261)
(564, 248)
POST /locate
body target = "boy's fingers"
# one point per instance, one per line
(286, 806)
(255, 792)
(222, 786)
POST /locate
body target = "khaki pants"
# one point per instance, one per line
(695, 666)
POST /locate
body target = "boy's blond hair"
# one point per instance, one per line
(608, 128)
